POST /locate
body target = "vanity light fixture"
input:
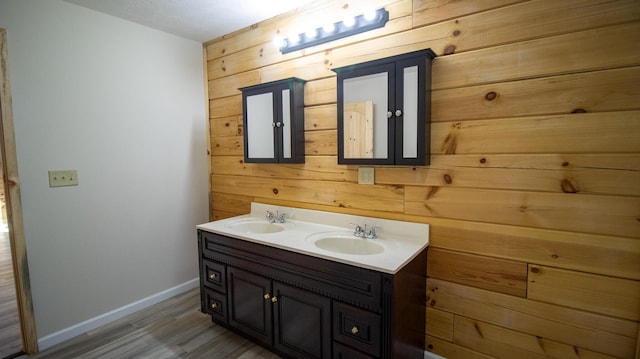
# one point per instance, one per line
(338, 30)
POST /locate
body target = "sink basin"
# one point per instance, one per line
(345, 243)
(255, 226)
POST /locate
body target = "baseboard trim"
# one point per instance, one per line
(429, 355)
(65, 334)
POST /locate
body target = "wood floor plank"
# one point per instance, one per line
(10, 336)
(174, 328)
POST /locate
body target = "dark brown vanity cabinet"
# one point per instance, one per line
(301, 306)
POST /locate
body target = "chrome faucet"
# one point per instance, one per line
(275, 218)
(364, 233)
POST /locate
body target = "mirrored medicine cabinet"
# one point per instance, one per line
(273, 119)
(384, 110)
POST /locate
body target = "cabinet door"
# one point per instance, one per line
(249, 297)
(260, 116)
(302, 322)
(411, 115)
(366, 133)
(273, 118)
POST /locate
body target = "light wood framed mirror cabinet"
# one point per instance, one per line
(273, 120)
(384, 110)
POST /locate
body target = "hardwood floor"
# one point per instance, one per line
(10, 337)
(174, 328)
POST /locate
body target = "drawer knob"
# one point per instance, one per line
(214, 305)
(274, 299)
(267, 296)
(355, 329)
(213, 276)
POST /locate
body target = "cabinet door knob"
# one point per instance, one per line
(279, 124)
(214, 305)
(274, 299)
(389, 114)
(267, 296)
(213, 276)
(355, 329)
(398, 113)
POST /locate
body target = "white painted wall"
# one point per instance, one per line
(124, 105)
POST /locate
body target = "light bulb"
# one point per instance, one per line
(370, 15)
(294, 38)
(329, 28)
(278, 41)
(349, 21)
(311, 33)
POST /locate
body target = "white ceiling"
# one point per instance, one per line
(199, 20)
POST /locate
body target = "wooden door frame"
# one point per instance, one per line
(14, 206)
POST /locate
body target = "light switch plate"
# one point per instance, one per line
(63, 178)
(366, 175)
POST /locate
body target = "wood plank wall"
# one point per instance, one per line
(533, 194)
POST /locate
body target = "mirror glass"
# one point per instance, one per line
(410, 115)
(365, 100)
(259, 124)
(286, 123)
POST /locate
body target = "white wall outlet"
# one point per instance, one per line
(63, 178)
(366, 175)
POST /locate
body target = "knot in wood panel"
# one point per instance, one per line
(490, 96)
(275, 191)
(477, 328)
(456, 33)
(447, 179)
(432, 192)
(450, 144)
(569, 186)
(450, 50)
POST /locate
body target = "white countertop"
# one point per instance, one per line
(401, 240)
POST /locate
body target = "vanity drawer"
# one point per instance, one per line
(214, 275)
(344, 352)
(215, 304)
(357, 328)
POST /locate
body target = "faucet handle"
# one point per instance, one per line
(371, 234)
(280, 217)
(358, 231)
(270, 217)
